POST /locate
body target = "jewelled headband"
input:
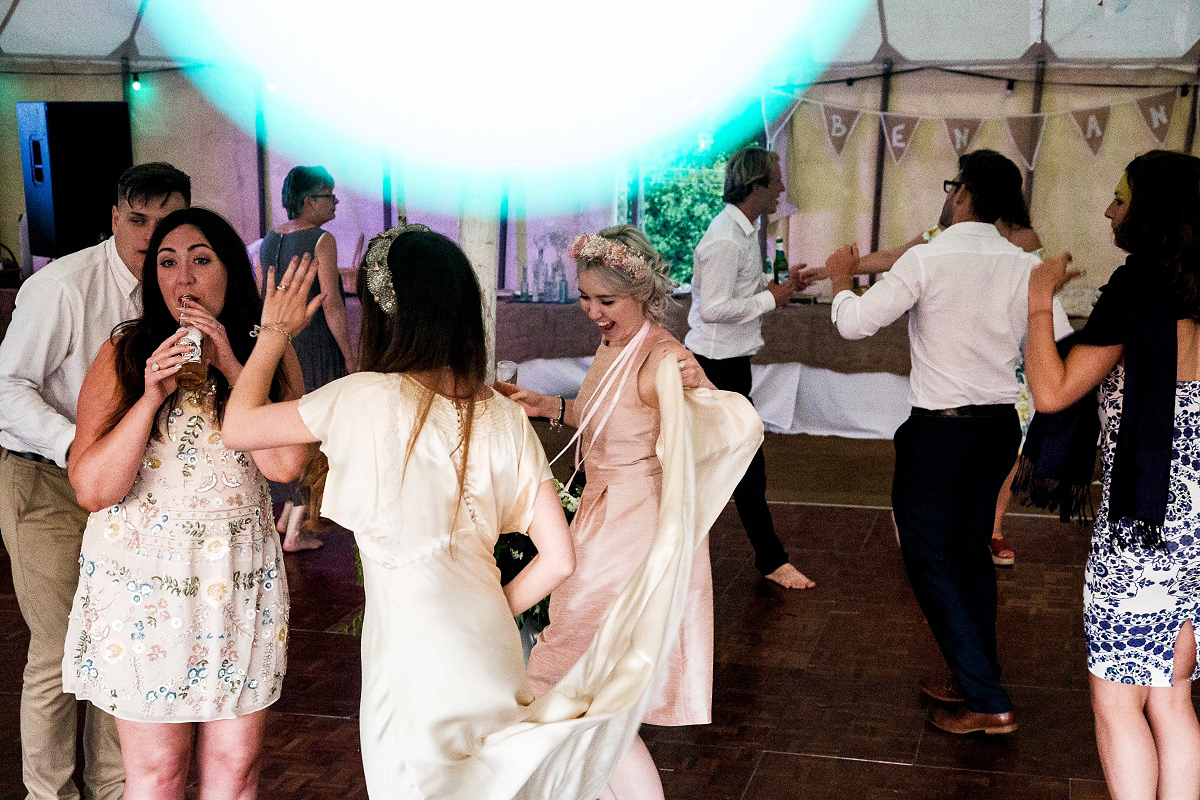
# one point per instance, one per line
(379, 277)
(610, 253)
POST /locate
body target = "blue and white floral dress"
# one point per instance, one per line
(182, 607)
(1136, 599)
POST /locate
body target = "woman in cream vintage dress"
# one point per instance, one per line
(181, 612)
(428, 466)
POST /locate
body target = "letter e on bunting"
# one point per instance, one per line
(961, 131)
(839, 122)
(1157, 110)
(1025, 131)
(897, 132)
(1092, 122)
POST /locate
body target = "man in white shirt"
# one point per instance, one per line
(966, 294)
(730, 295)
(64, 313)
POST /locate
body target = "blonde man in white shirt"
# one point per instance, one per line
(730, 295)
(64, 313)
(966, 297)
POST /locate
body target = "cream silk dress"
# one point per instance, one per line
(446, 709)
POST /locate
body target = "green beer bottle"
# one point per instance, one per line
(780, 264)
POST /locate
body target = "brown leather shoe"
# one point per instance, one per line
(963, 720)
(943, 689)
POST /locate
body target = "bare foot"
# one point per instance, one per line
(297, 539)
(302, 540)
(789, 577)
(285, 513)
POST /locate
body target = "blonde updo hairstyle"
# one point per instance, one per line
(654, 285)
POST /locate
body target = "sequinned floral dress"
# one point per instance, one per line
(181, 611)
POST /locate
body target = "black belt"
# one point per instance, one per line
(996, 410)
(34, 457)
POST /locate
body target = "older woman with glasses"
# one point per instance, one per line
(324, 346)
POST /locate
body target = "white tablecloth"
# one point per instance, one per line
(790, 398)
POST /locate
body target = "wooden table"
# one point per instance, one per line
(794, 334)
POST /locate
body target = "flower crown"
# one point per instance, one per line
(379, 277)
(610, 253)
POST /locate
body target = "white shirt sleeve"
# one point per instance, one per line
(717, 264)
(1062, 324)
(881, 305)
(37, 342)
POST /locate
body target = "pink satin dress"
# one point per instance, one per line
(613, 530)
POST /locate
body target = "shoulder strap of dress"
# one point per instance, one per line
(616, 376)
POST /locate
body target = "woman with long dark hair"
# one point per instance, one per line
(181, 612)
(428, 466)
(1141, 347)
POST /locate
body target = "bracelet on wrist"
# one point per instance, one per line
(562, 411)
(257, 329)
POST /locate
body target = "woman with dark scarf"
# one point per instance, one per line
(1141, 347)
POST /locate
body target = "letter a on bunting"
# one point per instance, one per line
(839, 123)
(1092, 122)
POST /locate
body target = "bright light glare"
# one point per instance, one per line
(480, 91)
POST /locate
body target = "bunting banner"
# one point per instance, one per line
(1157, 110)
(1025, 130)
(961, 131)
(839, 123)
(897, 132)
(1092, 122)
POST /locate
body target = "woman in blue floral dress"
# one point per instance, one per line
(181, 612)
(1142, 581)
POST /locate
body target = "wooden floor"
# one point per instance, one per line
(815, 693)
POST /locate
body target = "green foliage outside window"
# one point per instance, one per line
(683, 193)
(679, 205)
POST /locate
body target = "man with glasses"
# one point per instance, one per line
(966, 295)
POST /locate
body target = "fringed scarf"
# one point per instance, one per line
(1134, 310)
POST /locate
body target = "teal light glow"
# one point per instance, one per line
(466, 97)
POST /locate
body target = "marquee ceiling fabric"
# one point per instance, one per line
(930, 32)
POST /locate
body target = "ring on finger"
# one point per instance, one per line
(281, 287)
(154, 367)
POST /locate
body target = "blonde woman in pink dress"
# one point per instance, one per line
(624, 289)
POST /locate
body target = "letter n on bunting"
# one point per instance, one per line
(961, 131)
(897, 132)
(839, 123)
(1092, 122)
(1157, 110)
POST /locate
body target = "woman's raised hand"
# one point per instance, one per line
(161, 367)
(1051, 275)
(286, 306)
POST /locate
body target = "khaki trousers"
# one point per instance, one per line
(42, 526)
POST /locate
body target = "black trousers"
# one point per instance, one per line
(948, 474)
(750, 496)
